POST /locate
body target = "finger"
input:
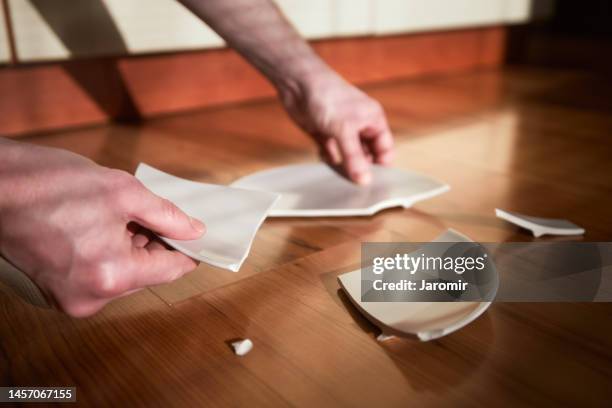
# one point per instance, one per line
(155, 265)
(367, 151)
(157, 244)
(354, 162)
(331, 148)
(163, 217)
(142, 237)
(381, 144)
(140, 240)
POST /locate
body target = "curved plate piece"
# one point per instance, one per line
(232, 216)
(426, 320)
(315, 190)
(540, 226)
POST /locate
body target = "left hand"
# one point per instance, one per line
(349, 126)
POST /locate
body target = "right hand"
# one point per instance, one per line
(350, 127)
(82, 232)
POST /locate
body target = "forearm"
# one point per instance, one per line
(259, 31)
(349, 127)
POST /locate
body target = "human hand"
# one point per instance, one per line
(349, 127)
(82, 232)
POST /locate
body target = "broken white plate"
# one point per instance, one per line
(540, 226)
(232, 216)
(315, 190)
(426, 320)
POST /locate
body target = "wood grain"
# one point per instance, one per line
(92, 91)
(512, 138)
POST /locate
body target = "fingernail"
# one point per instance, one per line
(197, 224)
(387, 158)
(363, 178)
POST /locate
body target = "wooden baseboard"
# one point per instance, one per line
(83, 92)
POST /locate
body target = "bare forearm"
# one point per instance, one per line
(259, 31)
(349, 127)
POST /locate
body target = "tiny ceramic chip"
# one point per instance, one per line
(242, 347)
(384, 337)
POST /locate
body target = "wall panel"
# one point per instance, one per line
(47, 30)
(517, 11)
(312, 18)
(61, 29)
(4, 42)
(353, 17)
(403, 16)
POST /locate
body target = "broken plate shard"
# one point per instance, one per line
(315, 190)
(426, 320)
(232, 216)
(242, 347)
(540, 226)
(384, 337)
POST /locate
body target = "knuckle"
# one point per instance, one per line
(118, 178)
(120, 187)
(375, 109)
(352, 150)
(378, 108)
(104, 281)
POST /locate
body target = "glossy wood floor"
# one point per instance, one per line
(527, 140)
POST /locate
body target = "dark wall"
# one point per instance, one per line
(578, 36)
(582, 18)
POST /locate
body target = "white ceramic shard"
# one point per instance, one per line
(426, 320)
(232, 216)
(242, 347)
(540, 226)
(384, 337)
(315, 190)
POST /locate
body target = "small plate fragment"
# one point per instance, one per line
(315, 190)
(232, 216)
(540, 226)
(242, 347)
(384, 337)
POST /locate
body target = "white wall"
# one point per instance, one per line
(163, 25)
(401, 16)
(79, 28)
(4, 43)
(353, 17)
(312, 18)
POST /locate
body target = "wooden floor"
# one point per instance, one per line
(528, 140)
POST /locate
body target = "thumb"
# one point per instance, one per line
(163, 217)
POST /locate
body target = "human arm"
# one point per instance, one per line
(82, 232)
(349, 127)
